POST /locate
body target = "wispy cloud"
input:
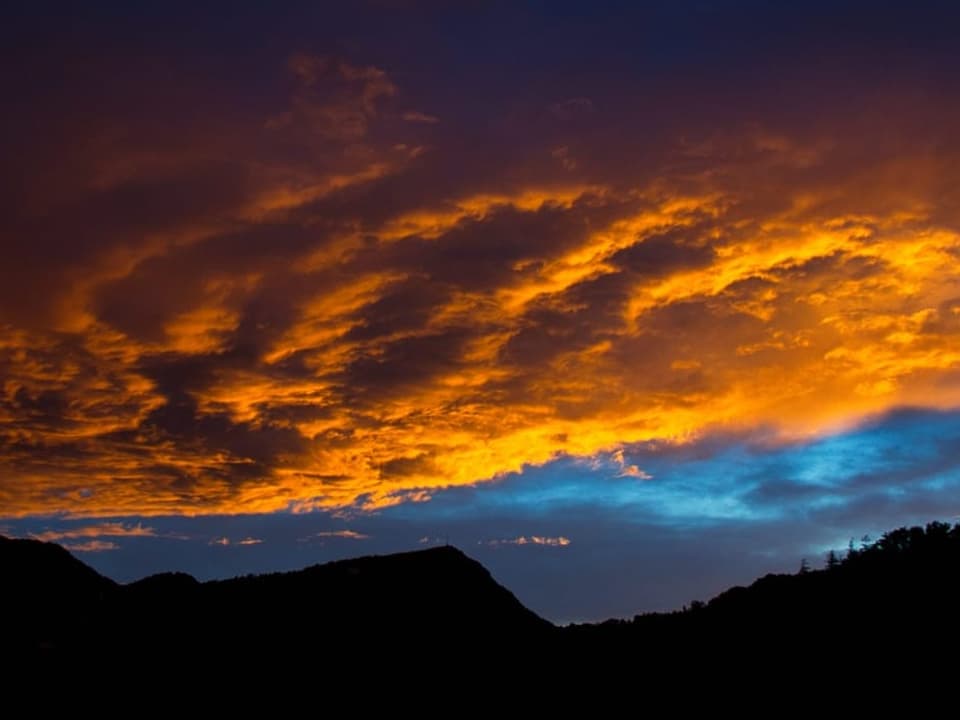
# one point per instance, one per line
(107, 529)
(224, 541)
(558, 541)
(92, 546)
(628, 469)
(346, 534)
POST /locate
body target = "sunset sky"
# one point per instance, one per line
(630, 301)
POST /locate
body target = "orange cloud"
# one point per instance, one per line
(628, 470)
(318, 308)
(107, 529)
(805, 325)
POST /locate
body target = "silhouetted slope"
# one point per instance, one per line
(47, 596)
(36, 570)
(437, 590)
(439, 606)
(433, 598)
(901, 591)
(384, 605)
(168, 583)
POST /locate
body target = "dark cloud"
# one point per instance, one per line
(404, 308)
(404, 363)
(664, 254)
(403, 466)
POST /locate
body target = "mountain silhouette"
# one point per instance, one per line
(48, 598)
(396, 610)
(438, 597)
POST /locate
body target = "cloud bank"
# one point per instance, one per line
(353, 289)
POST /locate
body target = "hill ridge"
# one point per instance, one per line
(898, 589)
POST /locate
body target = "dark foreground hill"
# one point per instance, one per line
(371, 605)
(900, 594)
(395, 612)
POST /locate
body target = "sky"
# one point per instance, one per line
(630, 301)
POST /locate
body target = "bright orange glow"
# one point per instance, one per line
(306, 330)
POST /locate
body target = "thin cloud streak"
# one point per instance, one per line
(91, 546)
(559, 541)
(346, 534)
(106, 529)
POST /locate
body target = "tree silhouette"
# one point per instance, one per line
(833, 560)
